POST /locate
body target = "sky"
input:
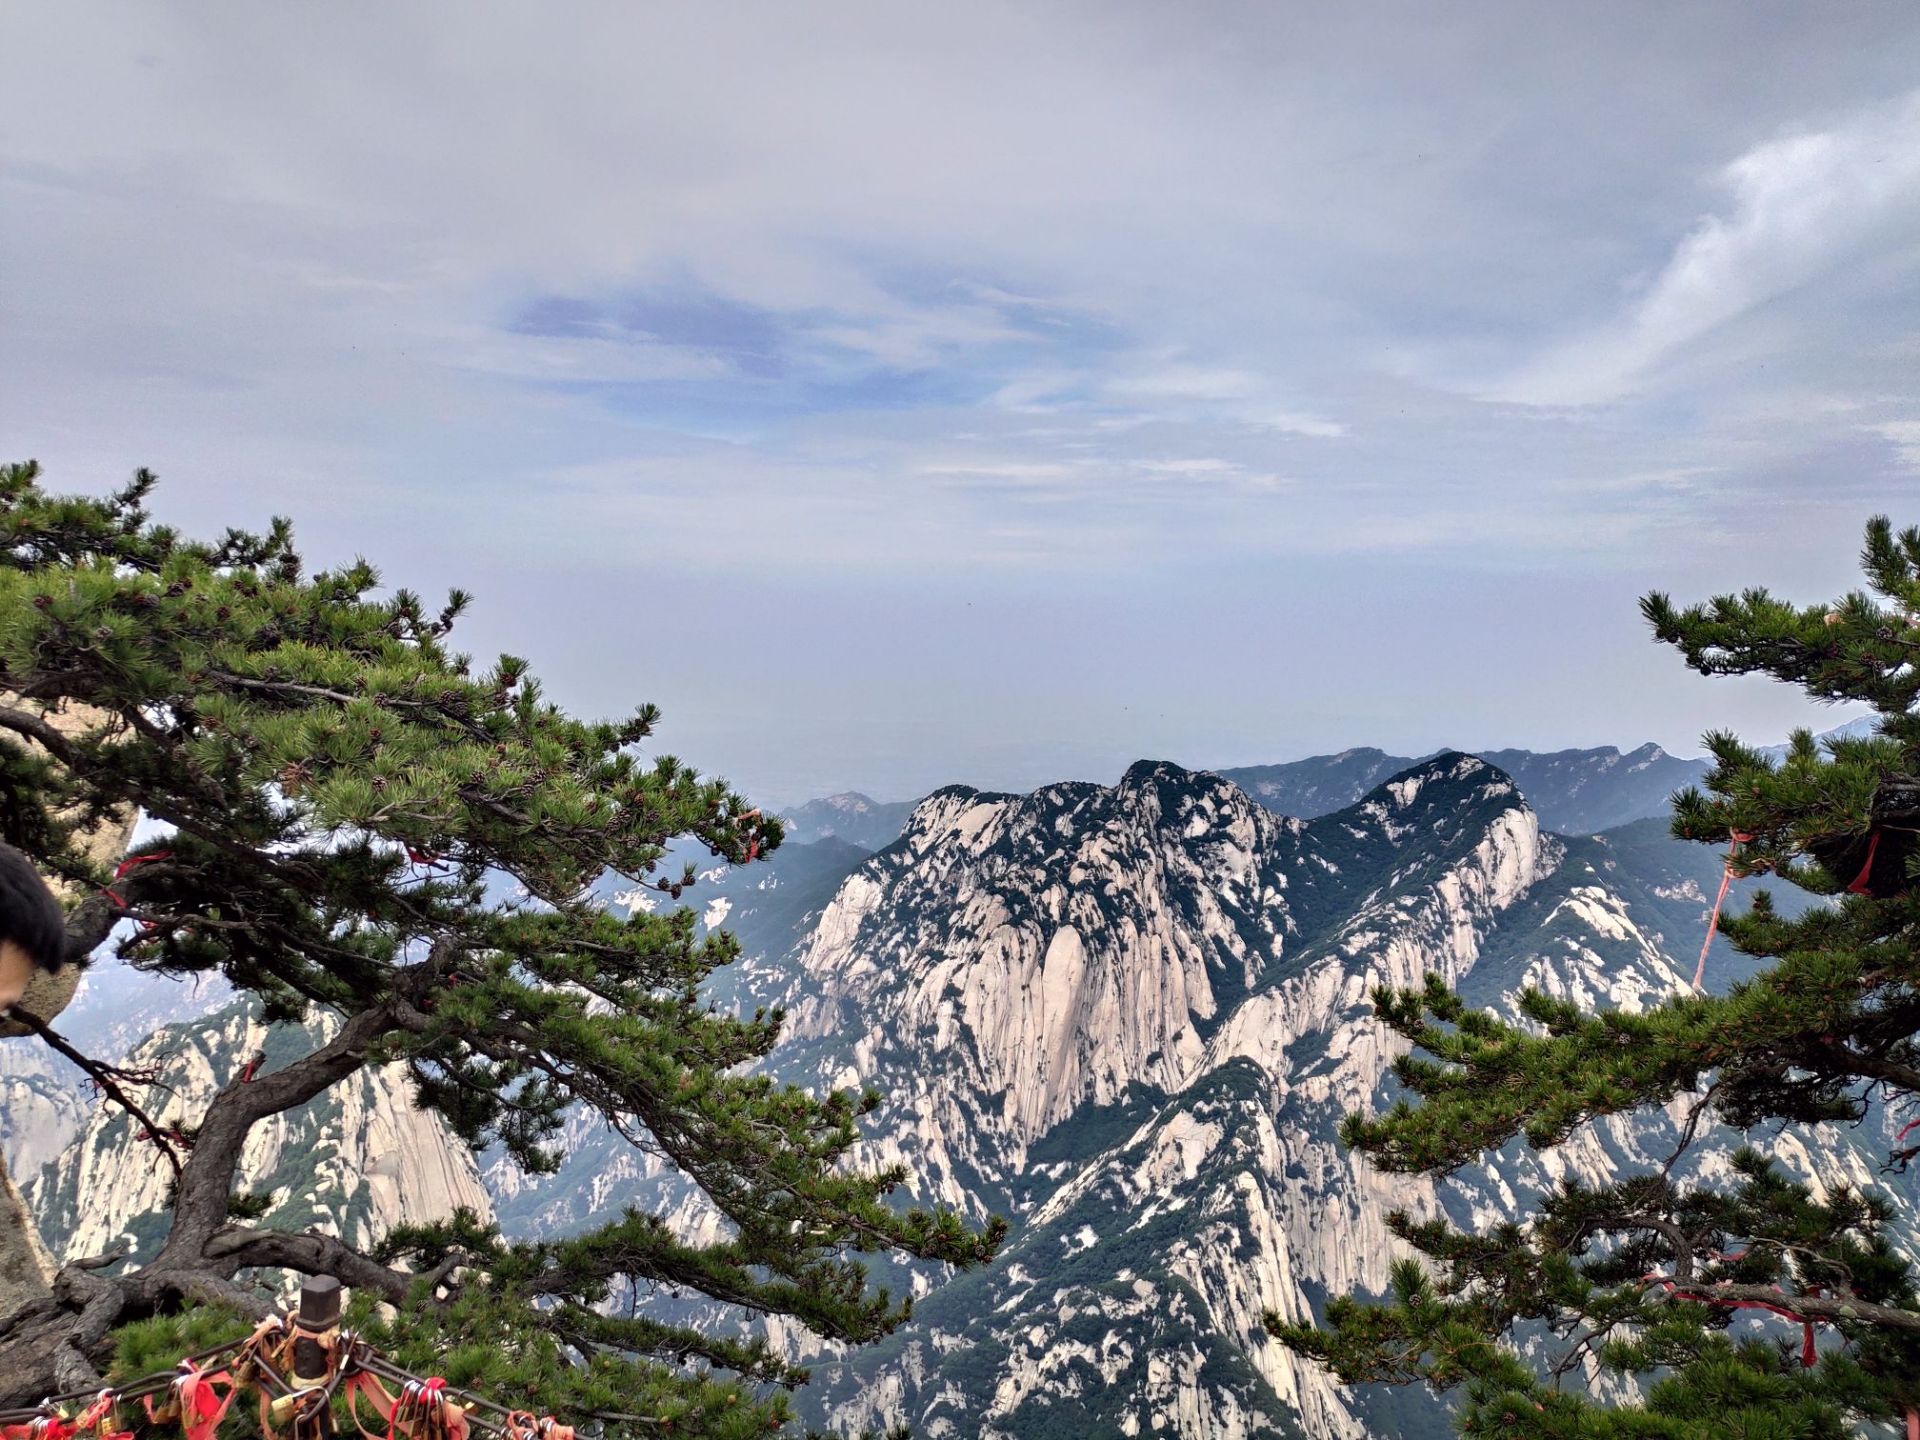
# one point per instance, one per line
(901, 394)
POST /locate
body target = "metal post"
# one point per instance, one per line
(316, 1332)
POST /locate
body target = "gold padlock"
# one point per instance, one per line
(284, 1408)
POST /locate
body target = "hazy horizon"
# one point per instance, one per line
(904, 395)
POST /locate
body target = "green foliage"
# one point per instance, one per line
(154, 1345)
(248, 1204)
(349, 796)
(1650, 1277)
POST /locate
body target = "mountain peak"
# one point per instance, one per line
(850, 801)
(1574, 792)
(1165, 775)
(1441, 778)
(849, 815)
(1358, 752)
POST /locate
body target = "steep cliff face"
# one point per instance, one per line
(41, 1112)
(1138, 1014)
(1016, 960)
(353, 1162)
(1131, 1018)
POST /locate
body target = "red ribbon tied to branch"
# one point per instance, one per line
(120, 873)
(1863, 882)
(1739, 837)
(1809, 1353)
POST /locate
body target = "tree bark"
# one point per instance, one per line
(26, 1271)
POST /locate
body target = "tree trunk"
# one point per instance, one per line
(54, 1345)
(26, 1272)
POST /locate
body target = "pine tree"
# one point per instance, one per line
(341, 788)
(1751, 1305)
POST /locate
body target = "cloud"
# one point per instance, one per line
(1799, 206)
(1198, 465)
(1233, 395)
(1288, 422)
(584, 360)
(878, 299)
(1904, 435)
(1000, 470)
(1187, 382)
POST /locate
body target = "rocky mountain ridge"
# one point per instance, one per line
(1575, 792)
(1132, 1016)
(1129, 1017)
(1169, 1229)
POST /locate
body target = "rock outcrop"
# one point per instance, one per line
(353, 1162)
(1131, 1018)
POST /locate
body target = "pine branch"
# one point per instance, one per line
(1807, 1307)
(207, 1179)
(108, 1078)
(308, 739)
(311, 1253)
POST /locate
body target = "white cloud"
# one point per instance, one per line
(1291, 423)
(1200, 465)
(1234, 395)
(588, 360)
(1905, 437)
(1000, 470)
(1799, 206)
(1187, 382)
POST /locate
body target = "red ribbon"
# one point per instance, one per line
(1863, 882)
(1809, 1353)
(422, 1400)
(120, 872)
(1739, 837)
(96, 1414)
(201, 1410)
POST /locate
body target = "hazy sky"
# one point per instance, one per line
(908, 393)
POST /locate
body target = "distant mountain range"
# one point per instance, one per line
(1131, 1018)
(1127, 1017)
(1574, 792)
(849, 816)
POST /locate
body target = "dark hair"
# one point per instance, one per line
(29, 915)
